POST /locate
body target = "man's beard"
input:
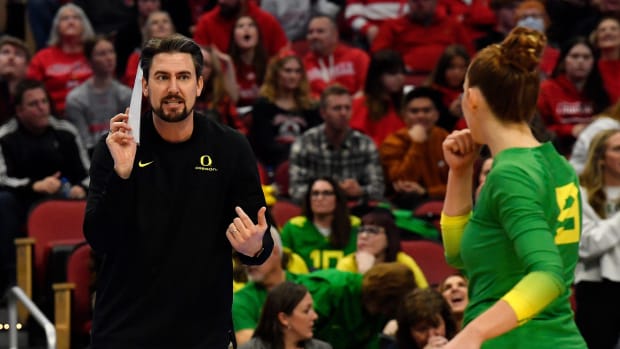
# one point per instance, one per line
(177, 117)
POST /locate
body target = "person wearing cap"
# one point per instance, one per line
(14, 59)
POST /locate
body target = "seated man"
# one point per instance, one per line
(40, 157)
(333, 149)
(412, 157)
(329, 61)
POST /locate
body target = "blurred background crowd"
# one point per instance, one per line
(346, 104)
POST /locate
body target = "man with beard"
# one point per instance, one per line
(329, 61)
(165, 214)
(215, 27)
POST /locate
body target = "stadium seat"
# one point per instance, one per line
(51, 225)
(281, 179)
(430, 211)
(72, 306)
(430, 257)
(283, 210)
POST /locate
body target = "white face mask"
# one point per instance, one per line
(534, 23)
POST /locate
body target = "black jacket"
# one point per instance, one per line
(166, 277)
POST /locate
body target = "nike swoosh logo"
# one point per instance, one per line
(144, 164)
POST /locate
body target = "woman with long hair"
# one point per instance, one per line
(376, 113)
(606, 38)
(519, 244)
(610, 119)
(283, 111)
(447, 78)
(62, 65)
(158, 25)
(424, 321)
(597, 276)
(378, 241)
(573, 94)
(219, 92)
(326, 232)
(249, 57)
(287, 320)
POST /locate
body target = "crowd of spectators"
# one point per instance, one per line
(351, 99)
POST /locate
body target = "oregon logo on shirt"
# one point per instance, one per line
(205, 164)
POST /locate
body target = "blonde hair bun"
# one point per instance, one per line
(522, 48)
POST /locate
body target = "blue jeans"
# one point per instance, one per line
(40, 16)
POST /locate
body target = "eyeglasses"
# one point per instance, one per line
(370, 229)
(317, 193)
(424, 110)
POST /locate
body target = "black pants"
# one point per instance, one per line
(598, 313)
(12, 216)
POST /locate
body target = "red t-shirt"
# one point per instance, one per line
(347, 66)
(549, 59)
(215, 29)
(562, 106)
(610, 72)
(60, 72)
(131, 68)
(248, 84)
(420, 45)
(378, 130)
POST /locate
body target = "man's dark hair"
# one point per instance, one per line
(26, 85)
(424, 92)
(170, 44)
(332, 90)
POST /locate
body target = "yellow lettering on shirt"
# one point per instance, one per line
(322, 259)
(569, 220)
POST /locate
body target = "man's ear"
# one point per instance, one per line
(200, 86)
(145, 90)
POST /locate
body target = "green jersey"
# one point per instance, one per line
(248, 303)
(527, 219)
(343, 322)
(337, 297)
(302, 237)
